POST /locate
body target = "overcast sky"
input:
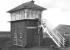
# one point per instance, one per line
(58, 11)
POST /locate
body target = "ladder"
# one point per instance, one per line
(54, 35)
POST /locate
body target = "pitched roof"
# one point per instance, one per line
(29, 5)
(63, 28)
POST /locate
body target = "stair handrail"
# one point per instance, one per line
(52, 36)
(60, 39)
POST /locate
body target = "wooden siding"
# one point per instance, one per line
(25, 14)
(19, 27)
(31, 35)
(18, 15)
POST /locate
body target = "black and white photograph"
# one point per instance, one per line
(34, 24)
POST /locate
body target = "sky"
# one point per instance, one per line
(58, 12)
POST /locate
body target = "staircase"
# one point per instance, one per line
(54, 35)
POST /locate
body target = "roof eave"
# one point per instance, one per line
(26, 8)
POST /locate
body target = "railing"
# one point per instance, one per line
(55, 35)
(62, 39)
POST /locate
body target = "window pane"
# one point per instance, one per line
(22, 14)
(13, 16)
(28, 14)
